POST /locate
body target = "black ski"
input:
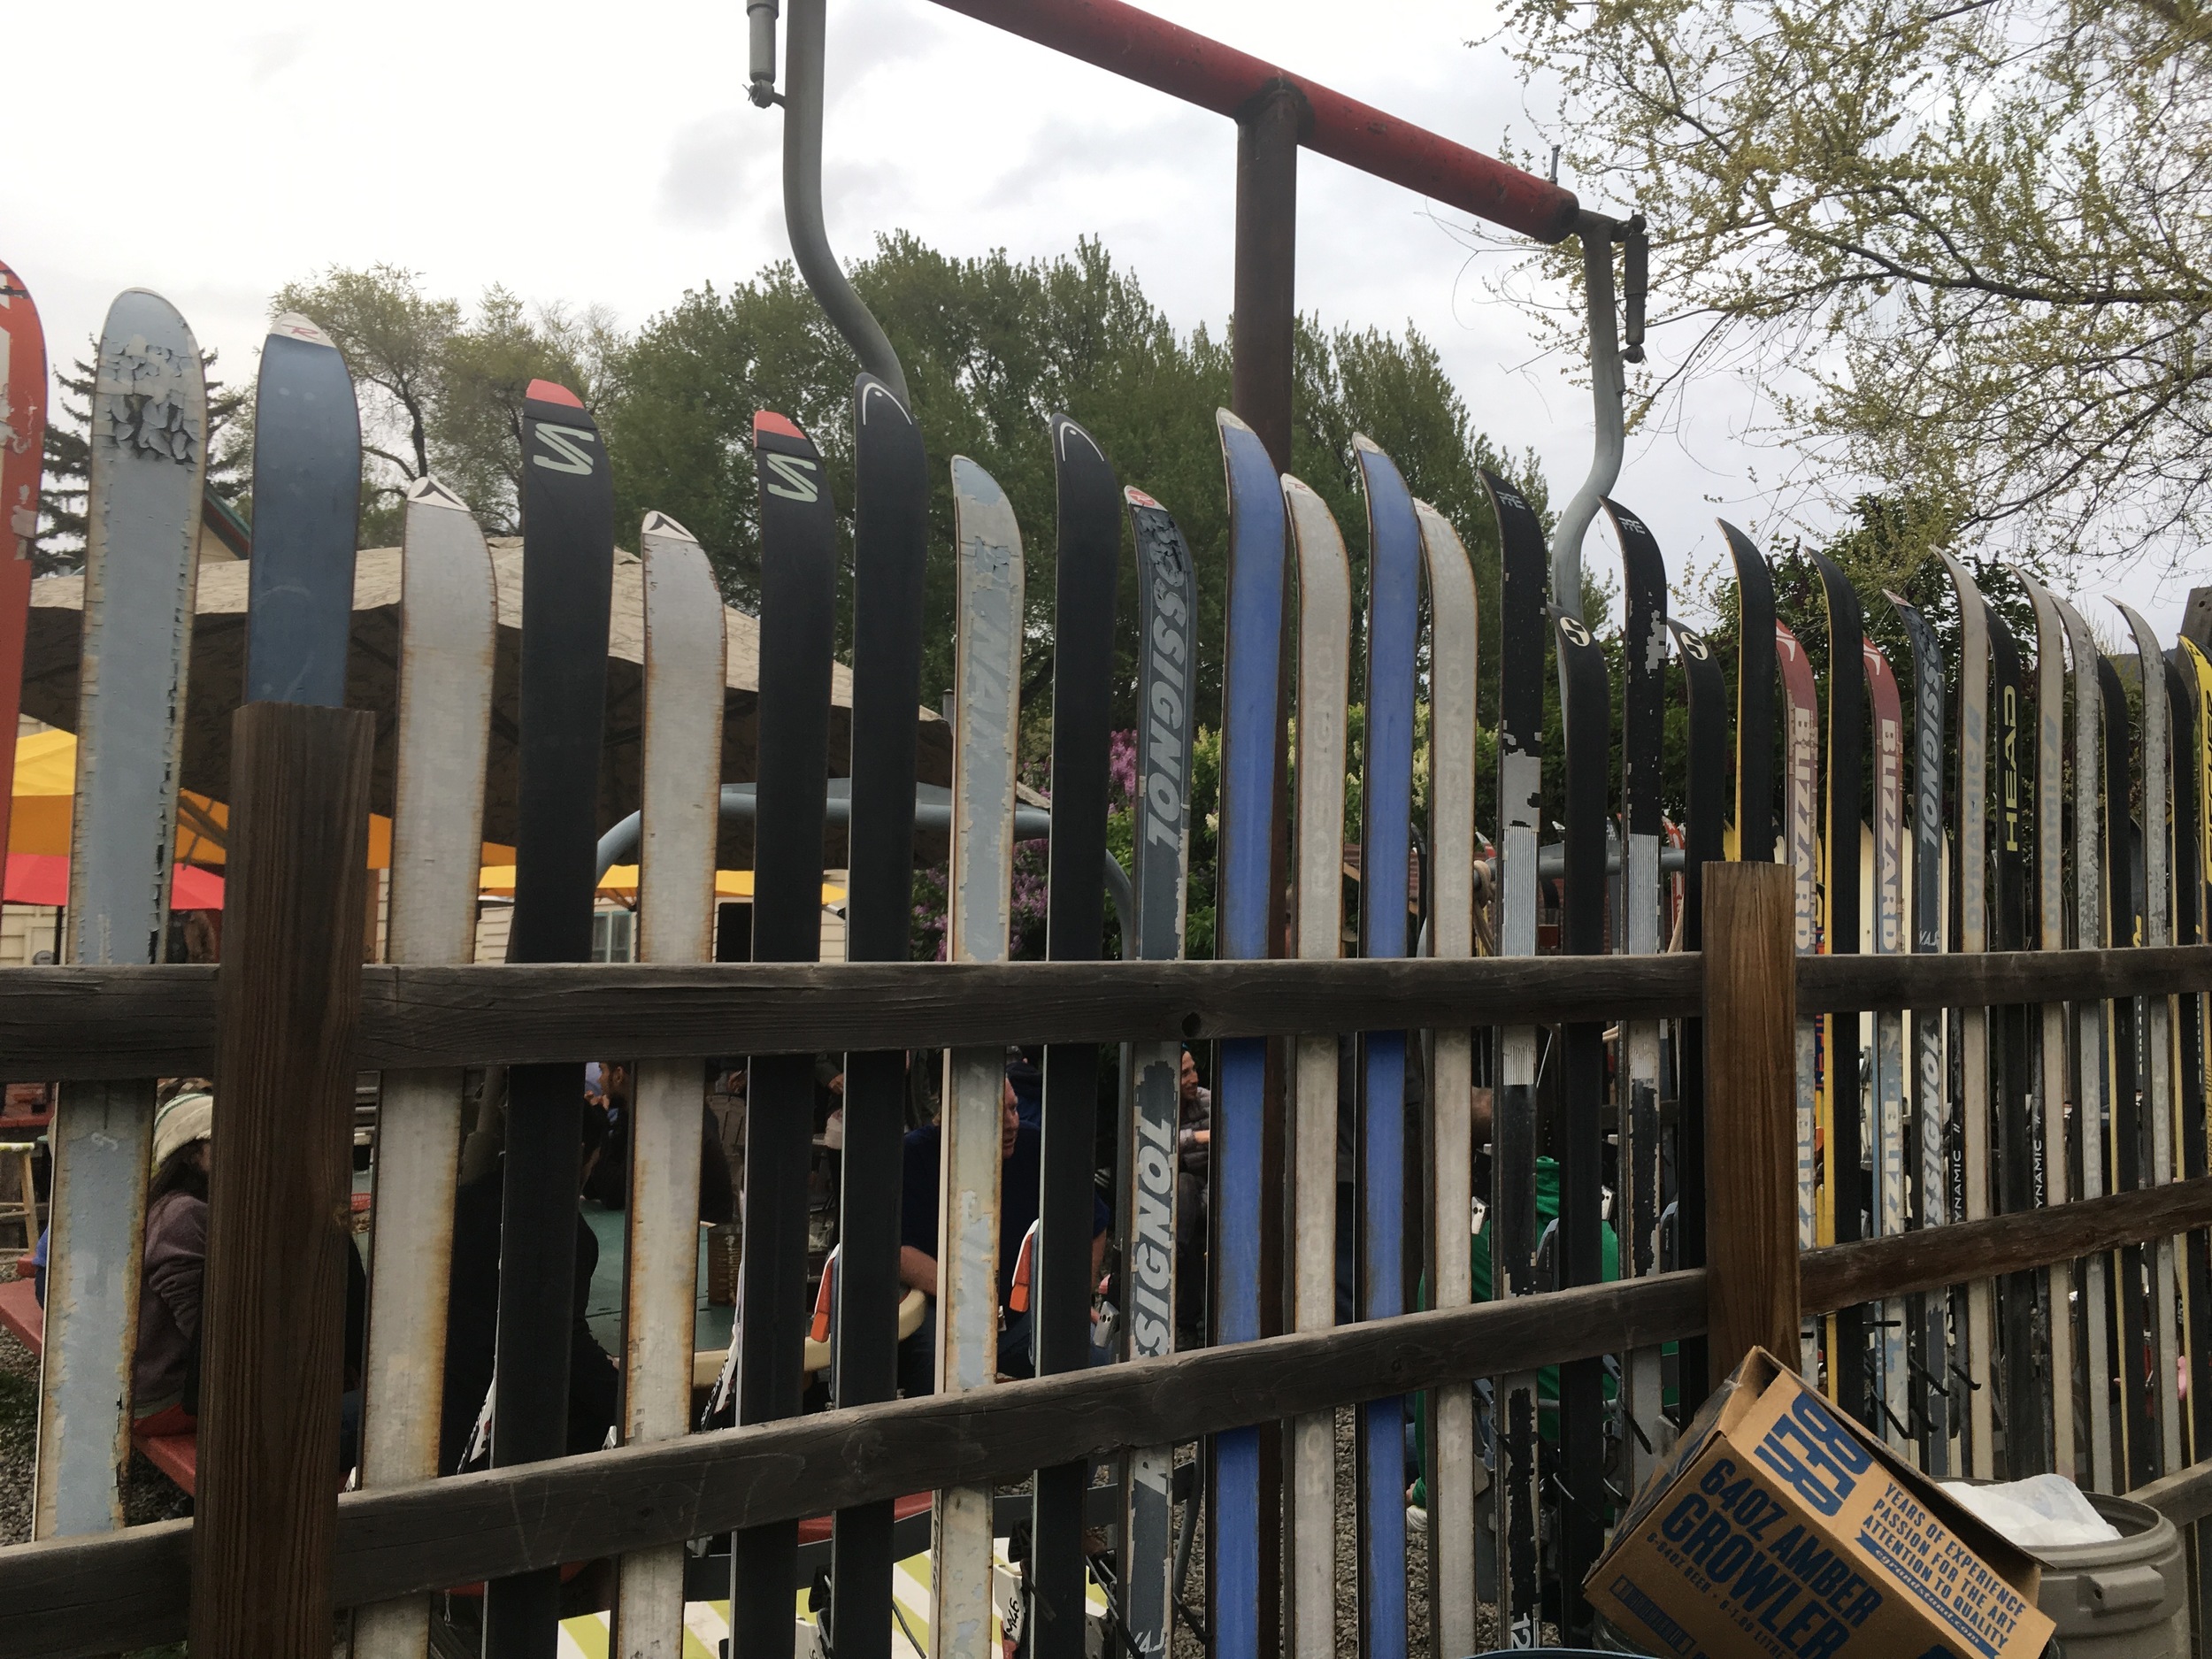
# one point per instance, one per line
(1846, 1177)
(1086, 558)
(2019, 1146)
(1705, 827)
(890, 556)
(568, 571)
(1585, 716)
(798, 604)
(1925, 1130)
(306, 505)
(1755, 671)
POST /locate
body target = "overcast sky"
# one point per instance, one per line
(589, 154)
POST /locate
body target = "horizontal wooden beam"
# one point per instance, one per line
(2182, 1497)
(88, 1024)
(77, 1596)
(1845, 1275)
(104, 1022)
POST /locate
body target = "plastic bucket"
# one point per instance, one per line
(2128, 1600)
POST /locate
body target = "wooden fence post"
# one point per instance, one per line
(280, 1207)
(1750, 1113)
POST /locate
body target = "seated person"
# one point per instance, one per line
(1021, 1170)
(608, 1183)
(473, 1316)
(165, 1368)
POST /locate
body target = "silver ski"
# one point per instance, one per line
(1973, 879)
(448, 634)
(1455, 1454)
(1885, 708)
(2156, 786)
(149, 464)
(1167, 600)
(680, 792)
(979, 912)
(1800, 819)
(2050, 911)
(1324, 636)
(2092, 1031)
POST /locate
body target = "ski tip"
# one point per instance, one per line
(872, 395)
(10, 285)
(1365, 445)
(1229, 421)
(1293, 485)
(293, 325)
(551, 392)
(1136, 497)
(782, 425)
(427, 492)
(970, 479)
(658, 523)
(1065, 430)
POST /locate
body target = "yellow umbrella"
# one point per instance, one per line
(620, 882)
(46, 787)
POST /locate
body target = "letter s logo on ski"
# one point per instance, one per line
(564, 442)
(793, 470)
(1693, 645)
(1577, 634)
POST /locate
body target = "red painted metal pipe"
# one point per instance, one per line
(1172, 59)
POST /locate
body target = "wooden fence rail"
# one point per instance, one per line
(74, 1024)
(131, 1589)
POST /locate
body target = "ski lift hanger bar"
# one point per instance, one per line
(1175, 60)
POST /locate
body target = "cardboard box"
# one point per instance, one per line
(1781, 1530)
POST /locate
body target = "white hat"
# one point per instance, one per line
(189, 1117)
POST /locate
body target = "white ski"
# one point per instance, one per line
(1801, 827)
(1325, 640)
(986, 672)
(448, 634)
(1886, 711)
(1972, 806)
(1454, 1455)
(2050, 912)
(680, 817)
(149, 464)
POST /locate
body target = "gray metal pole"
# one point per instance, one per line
(804, 53)
(1608, 393)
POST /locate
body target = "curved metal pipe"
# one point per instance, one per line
(1608, 394)
(932, 811)
(804, 50)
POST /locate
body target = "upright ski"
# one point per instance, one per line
(1454, 638)
(567, 576)
(1585, 716)
(1972, 805)
(890, 558)
(1802, 749)
(2050, 917)
(1756, 662)
(306, 505)
(1394, 601)
(1325, 649)
(2188, 683)
(679, 822)
(1842, 1182)
(1250, 668)
(2027, 1441)
(1167, 599)
(2093, 1032)
(449, 638)
(986, 678)
(149, 464)
(1930, 1344)
(2155, 783)
(1705, 826)
(1886, 720)
(22, 457)
(1512, 1225)
(1087, 555)
(1641, 1187)
(2124, 927)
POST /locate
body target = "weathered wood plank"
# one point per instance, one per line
(278, 1226)
(1750, 1084)
(127, 1589)
(88, 1024)
(1871, 1269)
(2182, 1497)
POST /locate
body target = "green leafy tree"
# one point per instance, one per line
(1962, 248)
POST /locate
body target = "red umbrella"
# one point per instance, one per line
(44, 879)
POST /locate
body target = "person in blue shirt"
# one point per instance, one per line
(1021, 1173)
